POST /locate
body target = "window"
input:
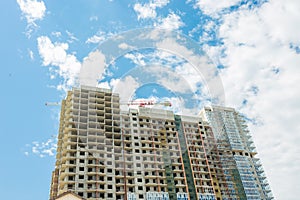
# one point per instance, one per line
(81, 169)
(80, 194)
(81, 176)
(80, 185)
(109, 187)
(140, 188)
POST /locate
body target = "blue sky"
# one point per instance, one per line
(247, 52)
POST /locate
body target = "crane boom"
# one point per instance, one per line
(139, 103)
(143, 103)
(52, 104)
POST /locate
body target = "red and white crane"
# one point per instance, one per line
(140, 103)
(143, 103)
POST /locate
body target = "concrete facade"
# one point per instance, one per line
(105, 153)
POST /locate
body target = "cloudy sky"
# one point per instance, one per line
(239, 53)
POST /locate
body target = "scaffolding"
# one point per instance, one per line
(237, 153)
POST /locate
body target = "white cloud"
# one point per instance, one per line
(104, 85)
(71, 36)
(137, 58)
(212, 84)
(99, 37)
(56, 33)
(31, 55)
(93, 68)
(32, 10)
(208, 29)
(178, 106)
(166, 69)
(191, 76)
(95, 39)
(171, 22)
(125, 46)
(257, 54)
(213, 7)
(144, 11)
(167, 77)
(125, 87)
(148, 10)
(280, 18)
(94, 18)
(55, 54)
(173, 72)
(42, 149)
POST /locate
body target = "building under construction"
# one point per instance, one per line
(153, 154)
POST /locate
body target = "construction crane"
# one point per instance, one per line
(143, 103)
(52, 104)
(140, 103)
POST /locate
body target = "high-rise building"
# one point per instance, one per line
(153, 154)
(237, 153)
